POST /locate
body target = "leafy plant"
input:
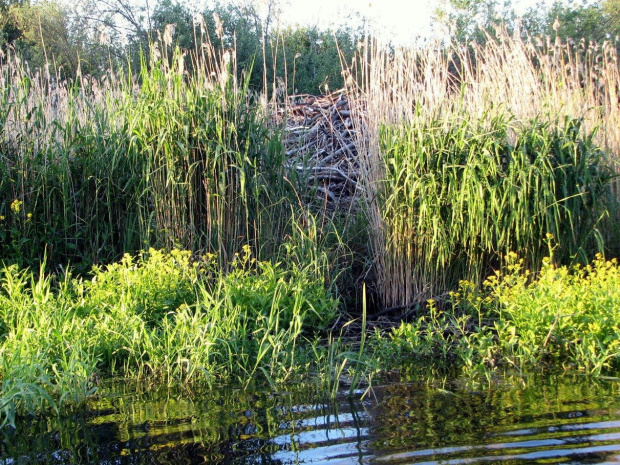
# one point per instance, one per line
(568, 315)
(161, 317)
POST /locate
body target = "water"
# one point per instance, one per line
(552, 420)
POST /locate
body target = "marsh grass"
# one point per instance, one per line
(97, 171)
(161, 318)
(457, 196)
(468, 154)
(465, 156)
(154, 157)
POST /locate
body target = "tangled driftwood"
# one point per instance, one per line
(319, 143)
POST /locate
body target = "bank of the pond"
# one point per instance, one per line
(565, 318)
(519, 419)
(167, 318)
(162, 318)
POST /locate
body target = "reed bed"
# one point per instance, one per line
(161, 157)
(470, 153)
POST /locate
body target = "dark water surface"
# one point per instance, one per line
(553, 420)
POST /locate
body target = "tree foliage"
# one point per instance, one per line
(470, 20)
(311, 58)
(9, 28)
(92, 35)
(41, 33)
(474, 20)
(596, 21)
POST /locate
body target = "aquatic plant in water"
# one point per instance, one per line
(160, 317)
(559, 318)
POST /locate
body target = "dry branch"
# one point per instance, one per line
(320, 146)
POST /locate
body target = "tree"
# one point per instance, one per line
(471, 20)
(611, 13)
(169, 12)
(129, 19)
(596, 21)
(241, 25)
(43, 35)
(309, 58)
(247, 28)
(9, 29)
(572, 19)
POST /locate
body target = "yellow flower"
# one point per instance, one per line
(16, 205)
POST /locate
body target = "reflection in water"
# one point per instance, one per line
(555, 420)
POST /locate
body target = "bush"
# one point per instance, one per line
(565, 315)
(159, 317)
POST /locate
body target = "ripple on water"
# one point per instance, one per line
(555, 420)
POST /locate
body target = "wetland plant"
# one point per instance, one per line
(468, 154)
(159, 158)
(159, 317)
(558, 318)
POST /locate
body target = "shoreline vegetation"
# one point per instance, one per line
(150, 227)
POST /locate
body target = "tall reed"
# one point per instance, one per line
(469, 153)
(160, 157)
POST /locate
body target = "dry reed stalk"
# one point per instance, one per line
(163, 157)
(532, 79)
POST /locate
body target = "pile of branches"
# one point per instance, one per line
(320, 147)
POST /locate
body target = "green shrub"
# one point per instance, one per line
(565, 315)
(149, 285)
(440, 341)
(161, 317)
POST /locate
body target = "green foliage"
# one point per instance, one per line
(441, 341)
(150, 285)
(106, 168)
(566, 315)
(591, 21)
(473, 20)
(158, 317)
(9, 31)
(558, 317)
(47, 33)
(309, 59)
(476, 20)
(46, 361)
(169, 12)
(271, 285)
(459, 194)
